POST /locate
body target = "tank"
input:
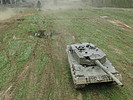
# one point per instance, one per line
(89, 65)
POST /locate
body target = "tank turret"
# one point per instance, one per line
(87, 53)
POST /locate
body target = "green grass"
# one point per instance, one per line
(18, 49)
(104, 34)
(38, 67)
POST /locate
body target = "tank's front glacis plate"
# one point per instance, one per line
(82, 63)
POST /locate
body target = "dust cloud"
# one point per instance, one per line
(61, 4)
(6, 14)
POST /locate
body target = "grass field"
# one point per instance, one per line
(33, 68)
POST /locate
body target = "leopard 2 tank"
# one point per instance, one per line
(89, 65)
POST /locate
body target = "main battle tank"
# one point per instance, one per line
(89, 65)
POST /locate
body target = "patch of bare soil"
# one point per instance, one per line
(23, 14)
(3, 94)
(65, 32)
(115, 49)
(10, 20)
(121, 24)
(79, 96)
(6, 24)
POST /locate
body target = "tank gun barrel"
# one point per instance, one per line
(109, 73)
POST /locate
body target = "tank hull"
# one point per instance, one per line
(82, 75)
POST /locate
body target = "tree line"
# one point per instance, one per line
(94, 3)
(10, 1)
(113, 3)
